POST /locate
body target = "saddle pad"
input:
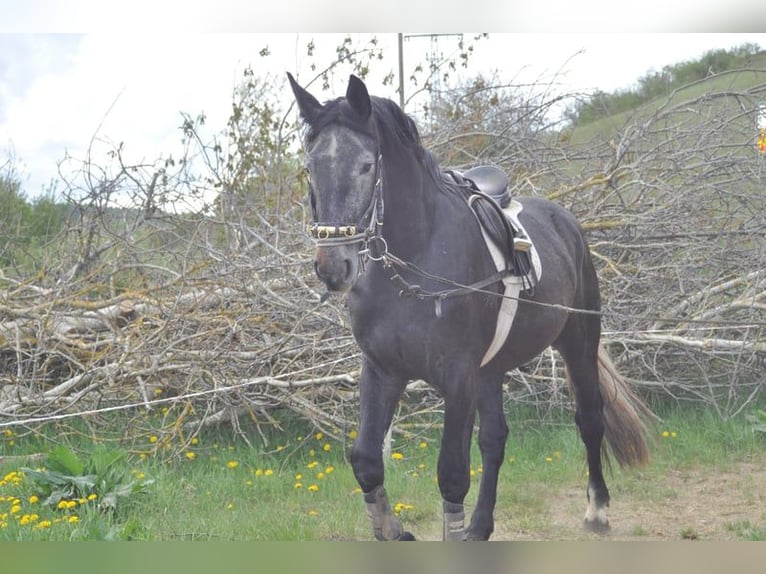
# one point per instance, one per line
(513, 284)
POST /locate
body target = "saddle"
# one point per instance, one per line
(491, 180)
(488, 195)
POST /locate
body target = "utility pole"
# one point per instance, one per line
(400, 37)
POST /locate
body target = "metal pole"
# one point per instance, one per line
(401, 70)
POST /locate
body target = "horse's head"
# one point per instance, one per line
(343, 162)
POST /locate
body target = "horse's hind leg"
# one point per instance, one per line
(578, 345)
(493, 432)
(378, 398)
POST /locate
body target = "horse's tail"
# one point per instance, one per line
(626, 418)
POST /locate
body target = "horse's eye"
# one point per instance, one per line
(365, 168)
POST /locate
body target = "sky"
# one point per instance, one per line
(79, 94)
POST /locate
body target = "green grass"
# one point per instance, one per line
(227, 490)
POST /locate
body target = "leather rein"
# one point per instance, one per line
(375, 248)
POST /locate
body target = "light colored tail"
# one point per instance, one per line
(626, 417)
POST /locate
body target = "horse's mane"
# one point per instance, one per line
(393, 128)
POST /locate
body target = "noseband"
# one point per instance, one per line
(333, 235)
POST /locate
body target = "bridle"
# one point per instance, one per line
(374, 247)
(367, 231)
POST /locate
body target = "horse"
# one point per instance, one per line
(397, 237)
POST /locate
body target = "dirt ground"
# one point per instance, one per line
(689, 504)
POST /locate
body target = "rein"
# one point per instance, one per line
(375, 248)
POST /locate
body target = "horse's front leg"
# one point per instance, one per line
(378, 396)
(459, 390)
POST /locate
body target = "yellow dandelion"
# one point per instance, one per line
(92, 497)
(258, 472)
(11, 442)
(320, 475)
(62, 505)
(397, 456)
(511, 459)
(74, 519)
(326, 447)
(82, 500)
(153, 439)
(548, 459)
(8, 433)
(195, 440)
(312, 452)
(353, 434)
(268, 472)
(314, 487)
(312, 464)
(34, 499)
(357, 490)
(43, 524)
(299, 476)
(673, 434)
(665, 434)
(158, 391)
(423, 444)
(313, 513)
(190, 455)
(232, 464)
(230, 506)
(298, 485)
(472, 472)
(319, 436)
(329, 469)
(249, 482)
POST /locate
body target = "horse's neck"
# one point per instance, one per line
(409, 209)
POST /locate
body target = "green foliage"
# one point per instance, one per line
(758, 421)
(26, 227)
(104, 474)
(659, 84)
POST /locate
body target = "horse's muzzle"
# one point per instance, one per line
(337, 267)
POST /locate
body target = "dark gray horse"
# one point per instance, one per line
(399, 239)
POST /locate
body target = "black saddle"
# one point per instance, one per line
(488, 195)
(491, 180)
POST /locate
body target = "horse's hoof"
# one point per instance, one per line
(406, 537)
(476, 537)
(597, 526)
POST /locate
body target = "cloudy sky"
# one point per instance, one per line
(69, 93)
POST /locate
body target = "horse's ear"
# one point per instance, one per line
(358, 98)
(308, 105)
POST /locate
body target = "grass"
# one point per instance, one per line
(300, 486)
